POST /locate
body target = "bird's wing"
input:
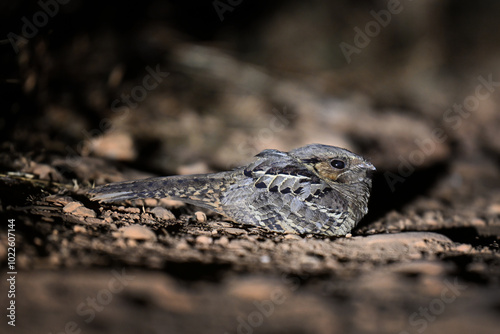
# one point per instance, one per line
(201, 190)
(280, 194)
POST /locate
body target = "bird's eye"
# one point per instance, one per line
(338, 164)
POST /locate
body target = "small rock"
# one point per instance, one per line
(113, 145)
(120, 242)
(220, 224)
(70, 207)
(235, 231)
(292, 237)
(203, 240)
(201, 217)
(150, 202)
(131, 243)
(84, 212)
(59, 200)
(46, 172)
(79, 229)
(223, 241)
(162, 213)
(182, 245)
(48, 219)
(129, 210)
(464, 248)
(137, 232)
(77, 209)
(95, 221)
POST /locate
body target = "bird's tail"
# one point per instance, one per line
(201, 190)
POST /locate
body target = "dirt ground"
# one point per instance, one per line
(165, 88)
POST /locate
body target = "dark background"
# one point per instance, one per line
(269, 75)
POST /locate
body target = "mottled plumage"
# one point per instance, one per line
(316, 189)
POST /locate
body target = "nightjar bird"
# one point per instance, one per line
(315, 189)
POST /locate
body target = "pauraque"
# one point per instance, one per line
(315, 189)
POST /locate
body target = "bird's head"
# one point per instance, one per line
(335, 165)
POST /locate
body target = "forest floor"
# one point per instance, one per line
(166, 87)
(104, 268)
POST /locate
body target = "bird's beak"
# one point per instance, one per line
(370, 169)
(368, 165)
